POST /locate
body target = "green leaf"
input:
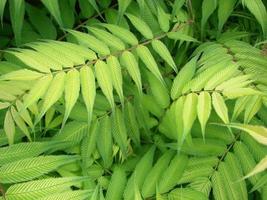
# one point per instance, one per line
(164, 53)
(146, 56)
(116, 75)
(140, 172)
(20, 122)
(88, 89)
(208, 7)
(90, 41)
(123, 5)
(258, 9)
(203, 110)
(17, 10)
(109, 39)
(54, 92)
(23, 150)
(185, 75)
(172, 173)
(95, 6)
(252, 107)
(41, 188)
(119, 131)
(72, 91)
(141, 26)
(104, 141)
(122, 33)
(2, 9)
(21, 75)
(117, 184)
(30, 168)
(186, 193)
(225, 8)
(159, 91)
(220, 107)
(181, 36)
(31, 59)
(105, 81)
(129, 61)
(37, 91)
(24, 113)
(259, 133)
(189, 113)
(9, 127)
(163, 19)
(73, 132)
(155, 174)
(53, 7)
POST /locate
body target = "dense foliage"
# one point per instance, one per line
(133, 99)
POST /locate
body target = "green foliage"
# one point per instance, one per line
(133, 99)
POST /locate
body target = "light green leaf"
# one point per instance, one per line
(30, 60)
(154, 176)
(30, 168)
(203, 110)
(131, 64)
(146, 56)
(240, 92)
(24, 113)
(104, 141)
(53, 7)
(21, 75)
(240, 105)
(183, 77)
(88, 89)
(122, 33)
(17, 10)
(37, 91)
(172, 173)
(252, 107)
(141, 26)
(220, 107)
(20, 122)
(119, 131)
(9, 127)
(117, 184)
(181, 36)
(91, 42)
(41, 188)
(72, 91)
(163, 19)
(4, 105)
(261, 166)
(259, 133)
(54, 92)
(116, 75)
(109, 39)
(164, 53)
(105, 81)
(140, 172)
(189, 112)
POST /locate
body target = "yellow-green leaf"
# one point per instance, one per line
(72, 90)
(116, 75)
(88, 89)
(220, 107)
(146, 56)
(129, 61)
(38, 90)
(105, 81)
(9, 127)
(203, 110)
(54, 92)
(164, 53)
(141, 26)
